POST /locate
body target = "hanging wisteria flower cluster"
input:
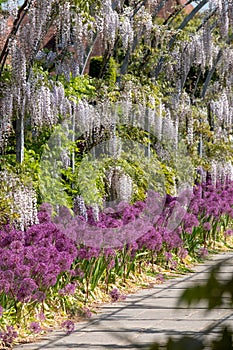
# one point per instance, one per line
(22, 199)
(126, 30)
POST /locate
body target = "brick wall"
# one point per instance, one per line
(170, 6)
(98, 49)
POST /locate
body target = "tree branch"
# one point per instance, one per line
(176, 13)
(211, 72)
(182, 26)
(16, 24)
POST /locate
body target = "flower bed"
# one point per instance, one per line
(58, 264)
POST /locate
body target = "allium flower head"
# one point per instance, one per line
(16, 246)
(86, 312)
(39, 296)
(203, 252)
(207, 226)
(160, 278)
(69, 289)
(8, 336)
(69, 326)
(116, 295)
(1, 311)
(35, 327)
(182, 253)
(41, 316)
(228, 232)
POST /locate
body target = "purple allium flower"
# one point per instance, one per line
(69, 326)
(190, 221)
(107, 210)
(152, 240)
(128, 216)
(194, 207)
(5, 286)
(42, 254)
(207, 226)
(225, 207)
(213, 210)
(8, 336)
(26, 289)
(182, 253)
(49, 280)
(122, 206)
(30, 260)
(22, 271)
(116, 295)
(111, 264)
(72, 250)
(203, 252)
(86, 312)
(173, 264)
(47, 208)
(168, 256)
(40, 269)
(109, 252)
(69, 289)
(92, 253)
(160, 277)
(39, 296)
(171, 238)
(101, 224)
(35, 327)
(64, 261)
(1, 311)
(169, 199)
(139, 205)
(79, 273)
(16, 246)
(82, 253)
(228, 232)
(41, 316)
(116, 223)
(8, 275)
(178, 231)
